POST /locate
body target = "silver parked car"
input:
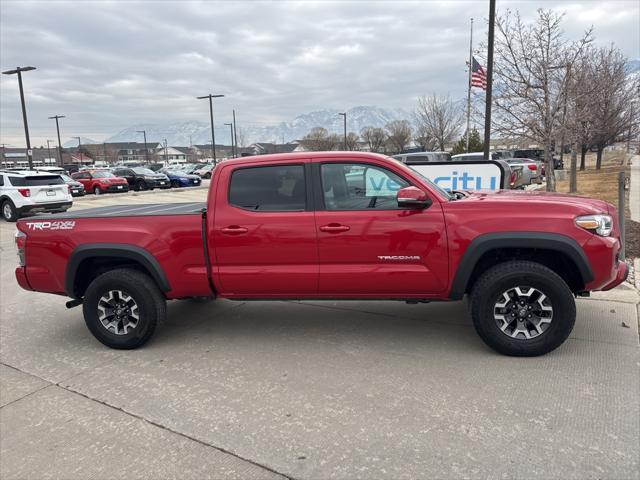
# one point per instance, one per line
(421, 157)
(531, 170)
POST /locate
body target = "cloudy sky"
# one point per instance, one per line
(108, 65)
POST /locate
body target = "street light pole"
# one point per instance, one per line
(344, 114)
(233, 148)
(165, 151)
(19, 71)
(146, 150)
(213, 135)
(59, 144)
(49, 149)
(235, 132)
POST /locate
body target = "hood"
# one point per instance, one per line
(589, 205)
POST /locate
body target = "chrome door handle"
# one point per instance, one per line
(234, 230)
(334, 228)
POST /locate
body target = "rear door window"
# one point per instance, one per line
(279, 188)
(39, 181)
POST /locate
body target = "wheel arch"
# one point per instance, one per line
(550, 249)
(88, 261)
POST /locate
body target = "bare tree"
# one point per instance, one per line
(398, 135)
(610, 104)
(438, 118)
(352, 141)
(422, 137)
(242, 137)
(319, 139)
(531, 75)
(374, 137)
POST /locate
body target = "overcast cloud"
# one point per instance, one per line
(108, 65)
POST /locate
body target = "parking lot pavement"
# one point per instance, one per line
(313, 390)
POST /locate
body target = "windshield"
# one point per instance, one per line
(173, 172)
(102, 175)
(66, 178)
(143, 171)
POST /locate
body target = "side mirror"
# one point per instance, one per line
(412, 197)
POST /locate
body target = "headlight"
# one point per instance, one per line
(600, 224)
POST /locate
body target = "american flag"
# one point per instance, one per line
(478, 75)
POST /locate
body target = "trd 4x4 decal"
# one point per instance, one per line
(56, 225)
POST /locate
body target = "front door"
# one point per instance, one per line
(264, 235)
(367, 245)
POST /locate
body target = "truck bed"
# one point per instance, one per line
(135, 210)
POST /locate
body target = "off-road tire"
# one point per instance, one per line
(490, 286)
(146, 294)
(10, 209)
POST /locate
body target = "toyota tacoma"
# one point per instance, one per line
(331, 225)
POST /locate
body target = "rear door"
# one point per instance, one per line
(263, 235)
(367, 245)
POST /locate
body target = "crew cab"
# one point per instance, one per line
(101, 181)
(331, 225)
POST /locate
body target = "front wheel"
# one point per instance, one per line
(123, 307)
(522, 309)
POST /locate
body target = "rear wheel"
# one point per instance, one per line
(123, 307)
(207, 175)
(522, 308)
(175, 183)
(97, 191)
(9, 212)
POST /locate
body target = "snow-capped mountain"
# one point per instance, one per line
(195, 132)
(74, 142)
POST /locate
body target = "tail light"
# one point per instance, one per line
(25, 192)
(532, 166)
(512, 180)
(21, 243)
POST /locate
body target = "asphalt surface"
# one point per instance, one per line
(311, 390)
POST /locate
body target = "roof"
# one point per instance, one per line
(27, 173)
(346, 156)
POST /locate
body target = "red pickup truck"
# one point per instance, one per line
(331, 225)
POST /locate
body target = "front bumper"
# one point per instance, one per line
(77, 191)
(115, 189)
(155, 183)
(44, 207)
(621, 275)
(191, 182)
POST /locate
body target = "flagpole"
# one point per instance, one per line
(469, 84)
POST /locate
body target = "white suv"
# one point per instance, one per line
(25, 191)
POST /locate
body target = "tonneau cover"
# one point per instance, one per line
(139, 210)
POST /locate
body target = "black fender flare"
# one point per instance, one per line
(115, 250)
(541, 240)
